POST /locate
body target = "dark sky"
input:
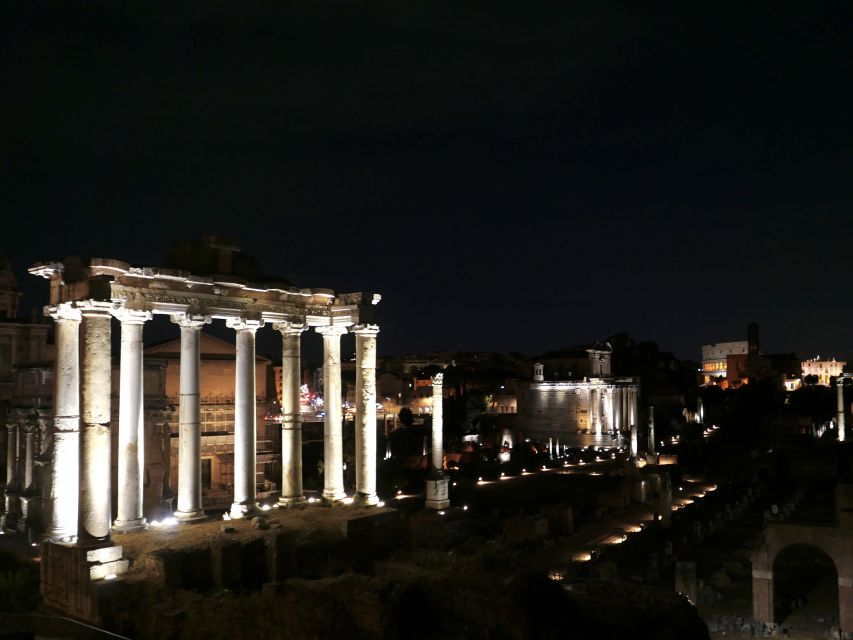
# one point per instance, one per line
(510, 176)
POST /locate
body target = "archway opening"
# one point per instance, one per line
(805, 588)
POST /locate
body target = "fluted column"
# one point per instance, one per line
(291, 413)
(438, 422)
(245, 419)
(64, 481)
(333, 440)
(131, 423)
(96, 372)
(365, 413)
(841, 413)
(189, 425)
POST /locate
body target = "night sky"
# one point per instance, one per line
(509, 176)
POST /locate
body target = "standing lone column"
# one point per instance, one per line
(333, 445)
(245, 419)
(437, 496)
(365, 414)
(841, 413)
(291, 413)
(437, 422)
(131, 423)
(65, 450)
(95, 443)
(189, 427)
(652, 443)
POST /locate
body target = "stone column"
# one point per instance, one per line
(634, 393)
(95, 442)
(189, 420)
(11, 494)
(841, 412)
(11, 457)
(594, 410)
(333, 474)
(29, 458)
(365, 414)
(291, 413)
(245, 419)
(131, 423)
(438, 422)
(437, 485)
(617, 410)
(845, 604)
(65, 448)
(635, 440)
(652, 443)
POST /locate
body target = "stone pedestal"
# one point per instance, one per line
(437, 493)
(71, 576)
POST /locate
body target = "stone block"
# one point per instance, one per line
(102, 570)
(104, 554)
(437, 494)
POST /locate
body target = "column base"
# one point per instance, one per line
(10, 521)
(437, 494)
(291, 501)
(190, 517)
(239, 510)
(333, 497)
(129, 526)
(366, 499)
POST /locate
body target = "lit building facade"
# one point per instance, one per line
(823, 369)
(580, 412)
(716, 358)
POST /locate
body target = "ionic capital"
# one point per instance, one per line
(289, 328)
(132, 316)
(366, 329)
(64, 312)
(190, 320)
(96, 308)
(244, 324)
(331, 330)
(437, 380)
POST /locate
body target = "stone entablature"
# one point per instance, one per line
(170, 291)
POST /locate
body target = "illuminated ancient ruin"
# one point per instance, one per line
(83, 301)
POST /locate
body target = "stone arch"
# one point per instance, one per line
(835, 542)
(790, 583)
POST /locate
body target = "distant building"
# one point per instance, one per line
(716, 359)
(823, 369)
(595, 406)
